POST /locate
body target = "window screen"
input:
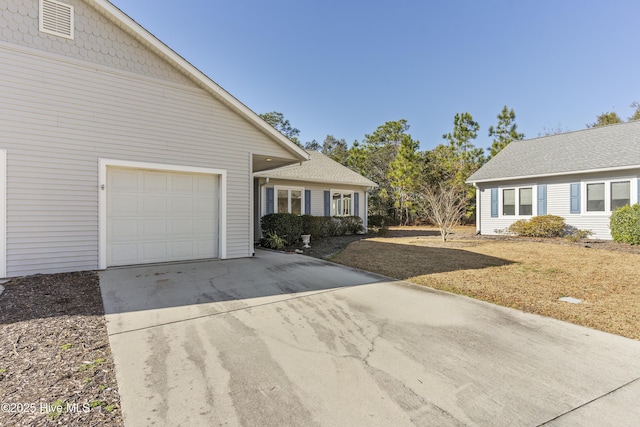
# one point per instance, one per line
(526, 201)
(595, 197)
(620, 194)
(509, 202)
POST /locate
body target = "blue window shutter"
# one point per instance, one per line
(356, 204)
(327, 203)
(494, 203)
(542, 199)
(269, 200)
(575, 198)
(307, 202)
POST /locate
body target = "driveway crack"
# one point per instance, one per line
(589, 402)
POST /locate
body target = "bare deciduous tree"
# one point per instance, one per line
(444, 205)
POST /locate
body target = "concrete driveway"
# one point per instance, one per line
(290, 340)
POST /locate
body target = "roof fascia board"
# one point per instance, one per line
(514, 178)
(212, 87)
(321, 181)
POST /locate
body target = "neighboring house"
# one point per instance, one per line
(114, 150)
(320, 187)
(581, 176)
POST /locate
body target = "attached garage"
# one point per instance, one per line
(159, 213)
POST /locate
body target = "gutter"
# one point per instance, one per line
(513, 178)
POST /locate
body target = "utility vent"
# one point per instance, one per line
(56, 18)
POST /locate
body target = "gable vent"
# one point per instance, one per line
(56, 18)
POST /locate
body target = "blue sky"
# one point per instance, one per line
(345, 67)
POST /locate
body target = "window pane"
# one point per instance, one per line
(346, 204)
(620, 194)
(335, 204)
(595, 197)
(283, 201)
(296, 202)
(509, 202)
(526, 206)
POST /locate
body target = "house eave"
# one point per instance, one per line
(315, 180)
(575, 172)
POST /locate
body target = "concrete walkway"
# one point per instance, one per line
(290, 340)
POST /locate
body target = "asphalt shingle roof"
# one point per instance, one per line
(319, 168)
(606, 147)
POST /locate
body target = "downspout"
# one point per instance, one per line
(478, 212)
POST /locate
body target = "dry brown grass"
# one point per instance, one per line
(526, 275)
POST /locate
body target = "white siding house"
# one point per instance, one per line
(114, 150)
(581, 176)
(320, 187)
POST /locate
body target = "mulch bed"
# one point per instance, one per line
(56, 366)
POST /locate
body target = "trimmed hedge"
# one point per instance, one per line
(290, 227)
(625, 224)
(540, 226)
(328, 226)
(285, 225)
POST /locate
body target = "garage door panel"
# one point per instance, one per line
(120, 254)
(204, 249)
(205, 227)
(123, 180)
(182, 206)
(154, 252)
(206, 185)
(183, 227)
(123, 205)
(154, 182)
(154, 205)
(123, 229)
(157, 216)
(154, 229)
(185, 184)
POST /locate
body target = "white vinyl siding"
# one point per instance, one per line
(558, 201)
(55, 126)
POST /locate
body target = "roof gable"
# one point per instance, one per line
(595, 149)
(319, 168)
(127, 24)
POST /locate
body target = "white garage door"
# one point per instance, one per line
(159, 216)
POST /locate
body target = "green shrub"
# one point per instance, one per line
(316, 226)
(329, 226)
(574, 234)
(625, 224)
(540, 226)
(284, 225)
(352, 224)
(375, 220)
(273, 241)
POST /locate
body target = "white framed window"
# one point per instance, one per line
(517, 201)
(289, 200)
(595, 197)
(601, 197)
(509, 201)
(341, 203)
(620, 194)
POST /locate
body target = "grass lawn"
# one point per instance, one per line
(523, 274)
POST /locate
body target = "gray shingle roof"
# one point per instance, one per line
(606, 147)
(319, 168)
